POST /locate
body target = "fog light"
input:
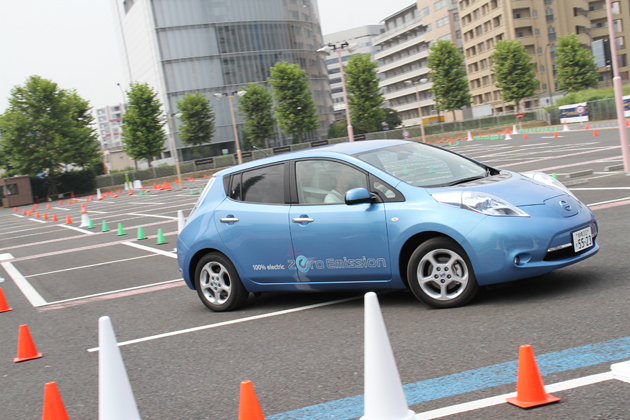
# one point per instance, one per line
(517, 260)
(522, 259)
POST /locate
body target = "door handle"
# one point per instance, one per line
(302, 220)
(229, 220)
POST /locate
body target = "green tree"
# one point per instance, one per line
(364, 95)
(256, 107)
(142, 130)
(575, 65)
(295, 109)
(46, 128)
(392, 118)
(448, 75)
(334, 131)
(513, 71)
(198, 119)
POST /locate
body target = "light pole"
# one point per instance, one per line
(220, 96)
(549, 70)
(416, 83)
(171, 127)
(327, 49)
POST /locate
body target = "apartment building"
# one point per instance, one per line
(537, 24)
(363, 38)
(109, 122)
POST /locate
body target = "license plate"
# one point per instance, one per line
(582, 239)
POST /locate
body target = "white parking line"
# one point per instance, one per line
(609, 201)
(32, 234)
(153, 215)
(91, 265)
(234, 321)
(500, 399)
(148, 248)
(29, 291)
(87, 232)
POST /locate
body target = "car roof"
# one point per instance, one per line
(346, 148)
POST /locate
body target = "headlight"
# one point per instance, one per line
(480, 202)
(549, 180)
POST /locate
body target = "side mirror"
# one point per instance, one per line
(358, 196)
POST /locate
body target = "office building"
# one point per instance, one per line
(220, 46)
(403, 55)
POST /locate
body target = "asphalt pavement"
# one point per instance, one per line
(304, 351)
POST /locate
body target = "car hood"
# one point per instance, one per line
(512, 187)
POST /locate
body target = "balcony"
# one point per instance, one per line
(400, 47)
(402, 61)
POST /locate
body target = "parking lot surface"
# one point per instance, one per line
(304, 352)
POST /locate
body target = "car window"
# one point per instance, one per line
(423, 166)
(325, 181)
(261, 185)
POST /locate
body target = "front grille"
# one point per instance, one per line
(562, 254)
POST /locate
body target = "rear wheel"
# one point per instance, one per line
(440, 274)
(218, 285)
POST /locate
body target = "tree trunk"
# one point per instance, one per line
(454, 117)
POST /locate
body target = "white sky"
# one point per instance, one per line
(73, 43)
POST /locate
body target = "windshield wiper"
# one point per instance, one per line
(462, 181)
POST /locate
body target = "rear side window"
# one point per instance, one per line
(261, 185)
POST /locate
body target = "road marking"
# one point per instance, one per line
(153, 215)
(38, 221)
(602, 160)
(500, 399)
(562, 156)
(148, 248)
(77, 229)
(599, 189)
(27, 289)
(609, 201)
(615, 203)
(472, 380)
(88, 266)
(115, 294)
(30, 234)
(234, 321)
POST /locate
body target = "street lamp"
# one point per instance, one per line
(220, 96)
(416, 83)
(549, 70)
(171, 127)
(327, 49)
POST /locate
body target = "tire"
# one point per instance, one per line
(441, 275)
(218, 285)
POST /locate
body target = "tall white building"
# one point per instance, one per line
(362, 36)
(404, 52)
(109, 122)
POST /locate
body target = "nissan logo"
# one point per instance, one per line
(565, 205)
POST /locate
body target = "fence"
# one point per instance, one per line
(216, 162)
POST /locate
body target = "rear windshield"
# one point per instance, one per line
(423, 166)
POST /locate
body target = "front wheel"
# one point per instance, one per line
(218, 285)
(440, 274)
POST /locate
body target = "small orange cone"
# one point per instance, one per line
(37, 215)
(530, 390)
(26, 346)
(60, 202)
(525, 136)
(587, 127)
(53, 404)
(69, 202)
(68, 219)
(555, 134)
(4, 306)
(14, 208)
(24, 211)
(47, 206)
(206, 176)
(595, 133)
(55, 218)
(627, 123)
(45, 216)
(249, 407)
(29, 214)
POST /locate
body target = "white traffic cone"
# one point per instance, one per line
(514, 130)
(566, 126)
(115, 396)
(181, 222)
(99, 196)
(126, 186)
(384, 395)
(507, 136)
(469, 138)
(137, 185)
(85, 220)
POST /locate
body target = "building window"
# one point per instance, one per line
(549, 15)
(479, 30)
(537, 32)
(539, 50)
(544, 87)
(618, 25)
(616, 9)
(542, 68)
(535, 14)
(446, 37)
(439, 5)
(442, 22)
(621, 60)
(620, 42)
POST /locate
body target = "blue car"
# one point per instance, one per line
(383, 214)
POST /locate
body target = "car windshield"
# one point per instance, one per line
(424, 166)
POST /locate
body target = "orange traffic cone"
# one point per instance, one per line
(53, 404)
(68, 219)
(60, 202)
(555, 134)
(249, 407)
(525, 136)
(69, 202)
(26, 347)
(206, 176)
(55, 218)
(29, 214)
(587, 127)
(47, 206)
(530, 390)
(24, 211)
(627, 123)
(4, 306)
(595, 133)
(37, 215)
(45, 216)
